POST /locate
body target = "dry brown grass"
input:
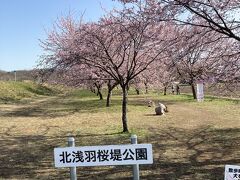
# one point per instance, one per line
(193, 141)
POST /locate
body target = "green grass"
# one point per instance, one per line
(193, 141)
(11, 91)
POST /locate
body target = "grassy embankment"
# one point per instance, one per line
(13, 92)
(193, 141)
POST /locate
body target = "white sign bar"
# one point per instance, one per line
(103, 155)
(232, 172)
(200, 94)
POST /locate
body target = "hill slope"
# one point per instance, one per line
(11, 91)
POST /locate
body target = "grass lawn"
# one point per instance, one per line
(193, 141)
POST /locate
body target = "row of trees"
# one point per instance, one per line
(146, 42)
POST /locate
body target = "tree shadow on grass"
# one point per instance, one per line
(178, 154)
(57, 107)
(31, 157)
(40, 90)
(194, 154)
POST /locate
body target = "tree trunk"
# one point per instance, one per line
(137, 91)
(109, 97)
(193, 91)
(110, 88)
(165, 91)
(178, 89)
(124, 109)
(127, 87)
(99, 93)
(146, 88)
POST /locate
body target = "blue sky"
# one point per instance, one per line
(23, 23)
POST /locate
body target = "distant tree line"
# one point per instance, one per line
(21, 75)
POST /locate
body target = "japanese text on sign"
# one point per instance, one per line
(103, 155)
(232, 172)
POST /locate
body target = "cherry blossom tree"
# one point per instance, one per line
(147, 78)
(125, 46)
(122, 45)
(195, 55)
(59, 61)
(224, 65)
(137, 84)
(144, 81)
(164, 74)
(219, 16)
